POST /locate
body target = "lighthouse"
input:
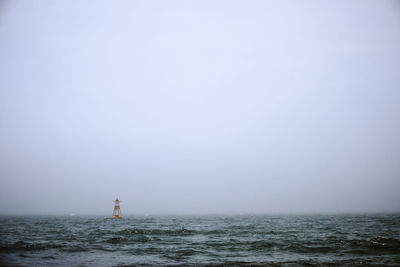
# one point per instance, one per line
(117, 210)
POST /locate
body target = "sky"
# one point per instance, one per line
(199, 107)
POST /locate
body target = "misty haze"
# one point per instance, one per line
(225, 110)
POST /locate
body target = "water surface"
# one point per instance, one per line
(287, 240)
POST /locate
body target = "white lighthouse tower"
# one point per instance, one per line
(117, 214)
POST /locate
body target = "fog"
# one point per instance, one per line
(199, 107)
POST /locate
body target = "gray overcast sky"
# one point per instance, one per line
(199, 106)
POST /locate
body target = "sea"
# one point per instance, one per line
(201, 240)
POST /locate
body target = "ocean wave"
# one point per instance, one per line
(373, 245)
(25, 246)
(286, 241)
(115, 240)
(162, 232)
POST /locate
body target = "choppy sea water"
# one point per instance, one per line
(288, 240)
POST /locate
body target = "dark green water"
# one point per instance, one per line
(290, 240)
